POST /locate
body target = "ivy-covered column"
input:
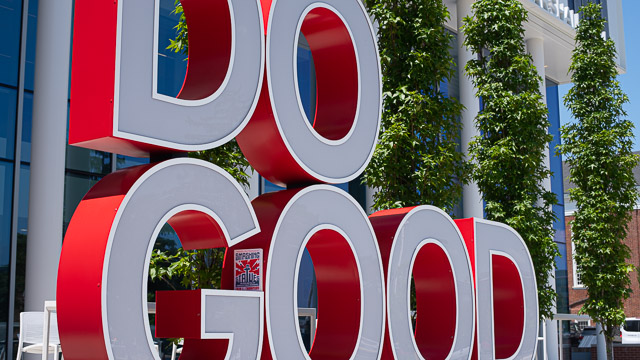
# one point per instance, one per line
(472, 205)
(535, 48)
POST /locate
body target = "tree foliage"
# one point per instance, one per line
(509, 155)
(194, 269)
(597, 147)
(417, 160)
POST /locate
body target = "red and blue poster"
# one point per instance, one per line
(248, 269)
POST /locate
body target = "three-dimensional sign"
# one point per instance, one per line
(474, 281)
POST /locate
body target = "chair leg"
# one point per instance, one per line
(19, 352)
(174, 349)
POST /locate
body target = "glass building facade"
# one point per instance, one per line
(16, 98)
(555, 164)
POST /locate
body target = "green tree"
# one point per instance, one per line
(510, 152)
(597, 147)
(417, 160)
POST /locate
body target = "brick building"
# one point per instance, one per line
(577, 292)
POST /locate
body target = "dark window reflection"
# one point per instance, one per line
(90, 161)
(562, 280)
(128, 161)
(30, 59)
(10, 17)
(305, 331)
(306, 79)
(21, 251)
(27, 116)
(8, 98)
(6, 186)
(76, 187)
(307, 292)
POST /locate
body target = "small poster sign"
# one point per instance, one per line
(248, 269)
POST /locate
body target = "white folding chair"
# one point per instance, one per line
(30, 337)
(176, 350)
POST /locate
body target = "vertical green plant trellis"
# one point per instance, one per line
(417, 160)
(597, 147)
(509, 155)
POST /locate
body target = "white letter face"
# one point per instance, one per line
(143, 115)
(316, 209)
(498, 240)
(169, 188)
(423, 226)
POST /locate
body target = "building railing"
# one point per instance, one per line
(560, 9)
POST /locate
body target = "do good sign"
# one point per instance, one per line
(474, 281)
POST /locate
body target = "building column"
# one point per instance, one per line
(369, 192)
(48, 138)
(472, 204)
(535, 47)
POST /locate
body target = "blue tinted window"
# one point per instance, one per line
(269, 186)
(128, 161)
(30, 59)
(307, 81)
(559, 226)
(171, 66)
(343, 186)
(555, 164)
(6, 194)
(27, 116)
(307, 294)
(6, 191)
(23, 206)
(553, 105)
(10, 18)
(8, 98)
